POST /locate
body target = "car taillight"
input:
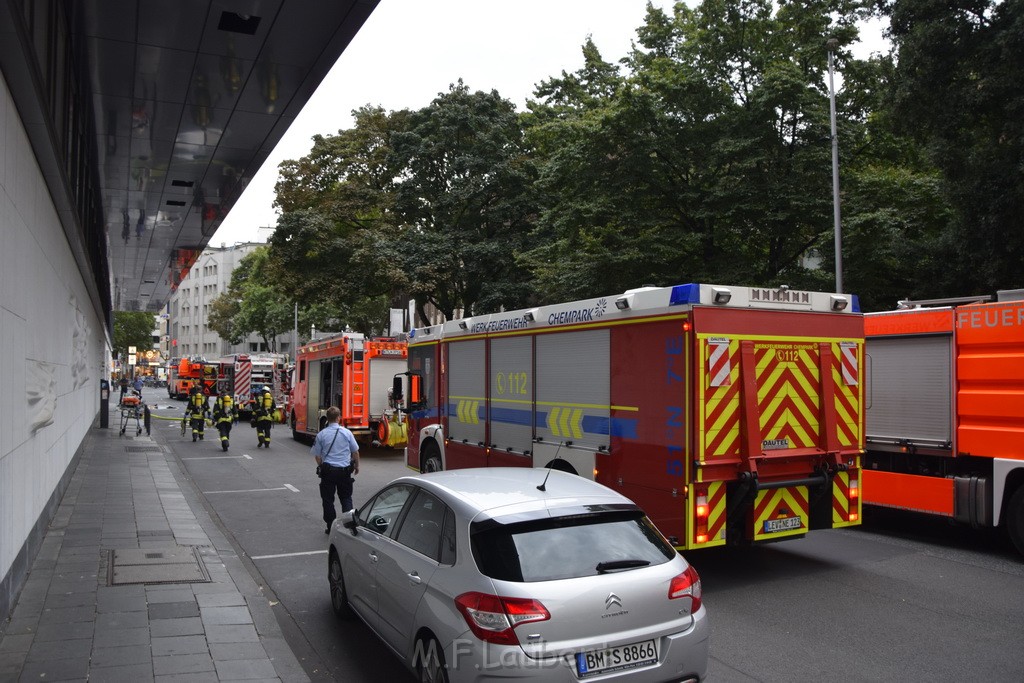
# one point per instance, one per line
(493, 618)
(686, 585)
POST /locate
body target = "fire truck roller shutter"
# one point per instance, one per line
(511, 410)
(909, 389)
(312, 396)
(467, 403)
(573, 391)
(382, 373)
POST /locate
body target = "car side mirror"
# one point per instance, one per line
(350, 521)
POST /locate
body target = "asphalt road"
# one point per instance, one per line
(903, 598)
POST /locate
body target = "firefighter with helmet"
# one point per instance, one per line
(224, 413)
(198, 409)
(264, 410)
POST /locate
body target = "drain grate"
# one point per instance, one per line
(142, 449)
(175, 564)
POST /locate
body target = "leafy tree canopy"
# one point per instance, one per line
(133, 328)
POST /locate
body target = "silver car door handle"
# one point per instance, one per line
(373, 557)
(414, 578)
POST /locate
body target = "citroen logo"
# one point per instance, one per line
(611, 600)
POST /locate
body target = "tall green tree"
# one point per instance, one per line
(957, 91)
(253, 303)
(133, 328)
(709, 160)
(336, 245)
(464, 202)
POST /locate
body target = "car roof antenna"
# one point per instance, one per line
(543, 486)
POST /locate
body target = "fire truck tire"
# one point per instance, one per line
(1015, 519)
(431, 460)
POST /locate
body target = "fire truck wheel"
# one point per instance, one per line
(431, 460)
(1015, 519)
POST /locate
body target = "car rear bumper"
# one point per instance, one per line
(683, 656)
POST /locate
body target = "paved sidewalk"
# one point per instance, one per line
(68, 623)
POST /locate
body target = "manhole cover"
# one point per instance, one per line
(175, 564)
(142, 449)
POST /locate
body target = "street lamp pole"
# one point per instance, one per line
(832, 44)
(295, 335)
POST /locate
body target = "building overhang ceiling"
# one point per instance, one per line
(189, 98)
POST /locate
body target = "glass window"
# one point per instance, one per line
(421, 529)
(569, 547)
(381, 513)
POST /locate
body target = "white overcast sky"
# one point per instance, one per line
(408, 51)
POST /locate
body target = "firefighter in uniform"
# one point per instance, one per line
(197, 409)
(265, 408)
(224, 415)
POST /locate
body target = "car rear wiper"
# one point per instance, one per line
(603, 567)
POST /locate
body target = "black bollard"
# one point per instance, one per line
(104, 403)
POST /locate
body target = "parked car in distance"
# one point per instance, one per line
(518, 573)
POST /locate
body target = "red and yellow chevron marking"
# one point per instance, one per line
(706, 516)
(846, 499)
(775, 505)
(720, 427)
(846, 357)
(788, 393)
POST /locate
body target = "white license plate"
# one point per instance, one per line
(616, 658)
(784, 524)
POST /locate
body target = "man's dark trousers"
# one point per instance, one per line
(335, 479)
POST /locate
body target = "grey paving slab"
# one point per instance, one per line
(16, 643)
(121, 656)
(229, 651)
(183, 664)
(233, 599)
(245, 633)
(67, 614)
(121, 674)
(245, 669)
(155, 595)
(121, 620)
(225, 615)
(65, 631)
(121, 637)
(110, 602)
(179, 645)
(11, 664)
(59, 600)
(71, 669)
(60, 649)
(173, 610)
(187, 626)
(210, 677)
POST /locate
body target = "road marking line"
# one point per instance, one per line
(246, 456)
(291, 488)
(279, 488)
(274, 557)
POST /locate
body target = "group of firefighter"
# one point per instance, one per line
(225, 414)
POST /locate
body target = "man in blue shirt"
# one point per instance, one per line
(337, 459)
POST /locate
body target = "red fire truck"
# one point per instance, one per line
(189, 371)
(356, 374)
(242, 373)
(945, 418)
(730, 414)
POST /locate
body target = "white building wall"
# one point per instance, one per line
(53, 345)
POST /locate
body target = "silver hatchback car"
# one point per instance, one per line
(498, 573)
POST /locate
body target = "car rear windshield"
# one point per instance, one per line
(568, 547)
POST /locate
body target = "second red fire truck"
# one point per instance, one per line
(945, 418)
(355, 373)
(730, 414)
